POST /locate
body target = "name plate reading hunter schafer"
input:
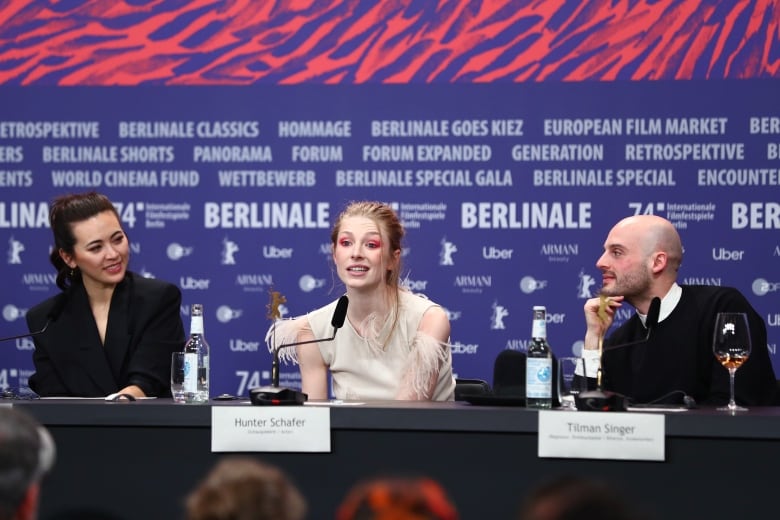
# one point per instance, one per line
(593, 435)
(258, 429)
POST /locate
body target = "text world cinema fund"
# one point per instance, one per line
(126, 178)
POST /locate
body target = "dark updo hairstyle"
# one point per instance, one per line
(65, 211)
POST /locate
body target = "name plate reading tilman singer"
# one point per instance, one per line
(270, 428)
(594, 435)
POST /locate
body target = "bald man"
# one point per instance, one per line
(642, 256)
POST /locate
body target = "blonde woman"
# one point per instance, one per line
(394, 344)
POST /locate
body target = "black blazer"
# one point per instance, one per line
(144, 327)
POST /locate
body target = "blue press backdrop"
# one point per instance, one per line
(507, 187)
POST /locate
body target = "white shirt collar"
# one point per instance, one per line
(668, 303)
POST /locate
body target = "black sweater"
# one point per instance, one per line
(678, 356)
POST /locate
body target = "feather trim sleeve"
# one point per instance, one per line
(284, 332)
(422, 367)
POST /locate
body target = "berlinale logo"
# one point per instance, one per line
(15, 249)
(229, 250)
(497, 316)
(447, 250)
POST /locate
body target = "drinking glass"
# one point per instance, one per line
(571, 381)
(178, 371)
(731, 346)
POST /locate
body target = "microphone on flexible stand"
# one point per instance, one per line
(273, 395)
(52, 316)
(600, 400)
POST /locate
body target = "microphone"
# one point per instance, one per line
(274, 395)
(337, 321)
(651, 320)
(605, 401)
(52, 316)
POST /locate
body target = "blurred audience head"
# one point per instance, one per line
(398, 498)
(576, 498)
(27, 453)
(242, 488)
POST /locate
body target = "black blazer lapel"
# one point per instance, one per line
(82, 359)
(118, 335)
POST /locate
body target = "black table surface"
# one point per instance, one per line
(139, 459)
(756, 423)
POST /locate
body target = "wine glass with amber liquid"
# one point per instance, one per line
(731, 346)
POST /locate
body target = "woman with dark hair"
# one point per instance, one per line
(394, 344)
(110, 330)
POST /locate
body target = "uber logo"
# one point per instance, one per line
(725, 255)
(194, 283)
(416, 285)
(556, 318)
(25, 344)
(494, 253)
(464, 348)
(277, 252)
(239, 345)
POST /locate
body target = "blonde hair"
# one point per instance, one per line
(391, 231)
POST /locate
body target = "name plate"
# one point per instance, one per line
(593, 435)
(270, 428)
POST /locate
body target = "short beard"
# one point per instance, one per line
(630, 285)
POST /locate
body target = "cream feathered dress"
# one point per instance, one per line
(375, 368)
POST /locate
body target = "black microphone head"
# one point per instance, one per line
(652, 313)
(340, 314)
(509, 373)
(57, 308)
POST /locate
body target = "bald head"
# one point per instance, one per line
(640, 261)
(655, 234)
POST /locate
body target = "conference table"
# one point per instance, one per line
(138, 460)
